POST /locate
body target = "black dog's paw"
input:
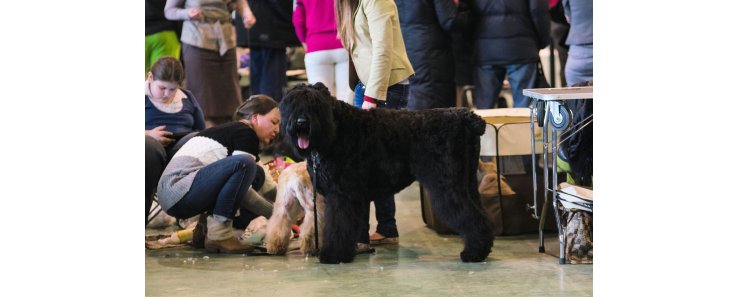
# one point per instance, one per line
(347, 257)
(467, 256)
(336, 257)
(326, 257)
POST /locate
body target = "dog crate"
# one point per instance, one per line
(506, 143)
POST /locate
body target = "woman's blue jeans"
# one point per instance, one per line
(217, 188)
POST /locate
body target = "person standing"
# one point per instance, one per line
(580, 65)
(426, 27)
(160, 34)
(508, 38)
(267, 42)
(370, 31)
(326, 60)
(209, 53)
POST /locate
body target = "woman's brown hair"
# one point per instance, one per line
(168, 69)
(255, 104)
(344, 11)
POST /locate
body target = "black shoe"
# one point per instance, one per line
(200, 232)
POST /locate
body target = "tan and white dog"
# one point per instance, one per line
(294, 200)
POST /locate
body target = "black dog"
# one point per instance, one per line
(364, 154)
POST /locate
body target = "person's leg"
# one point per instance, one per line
(194, 71)
(341, 75)
(580, 64)
(217, 188)
(227, 87)
(320, 68)
(274, 80)
(521, 76)
(255, 203)
(156, 160)
(559, 33)
(489, 80)
(256, 66)
(385, 213)
(385, 207)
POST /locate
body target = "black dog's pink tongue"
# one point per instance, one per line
(303, 142)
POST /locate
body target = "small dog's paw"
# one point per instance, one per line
(308, 247)
(275, 248)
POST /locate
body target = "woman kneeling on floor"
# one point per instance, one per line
(213, 171)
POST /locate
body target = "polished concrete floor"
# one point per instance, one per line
(423, 264)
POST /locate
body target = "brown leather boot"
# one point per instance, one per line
(220, 238)
(199, 233)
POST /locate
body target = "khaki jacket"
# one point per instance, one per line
(378, 51)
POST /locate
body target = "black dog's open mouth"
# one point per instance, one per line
(303, 142)
(302, 131)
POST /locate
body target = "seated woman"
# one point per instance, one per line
(170, 113)
(214, 170)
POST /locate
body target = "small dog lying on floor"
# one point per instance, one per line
(294, 200)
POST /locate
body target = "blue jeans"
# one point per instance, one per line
(397, 97)
(489, 80)
(217, 188)
(267, 68)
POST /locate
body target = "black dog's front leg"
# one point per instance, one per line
(340, 230)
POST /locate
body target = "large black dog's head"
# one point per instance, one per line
(307, 119)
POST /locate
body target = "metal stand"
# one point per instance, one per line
(550, 113)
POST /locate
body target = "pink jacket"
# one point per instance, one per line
(315, 25)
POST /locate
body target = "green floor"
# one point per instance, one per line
(423, 264)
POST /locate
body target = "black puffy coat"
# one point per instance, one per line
(425, 25)
(155, 21)
(274, 26)
(510, 31)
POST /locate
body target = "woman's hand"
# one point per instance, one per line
(369, 102)
(195, 14)
(160, 134)
(246, 12)
(249, 20)
(368, 105)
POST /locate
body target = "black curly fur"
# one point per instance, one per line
(365, 154)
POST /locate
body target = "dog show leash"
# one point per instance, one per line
(314, 164)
